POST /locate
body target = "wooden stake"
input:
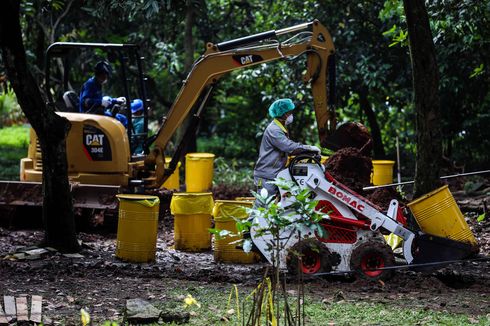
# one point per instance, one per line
(36, 308)
(22, 312)
(3, 319)
(9, 304)
(398, 170)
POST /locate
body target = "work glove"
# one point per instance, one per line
(314, 149)
(122, 119)
(120, 100)
(106, 101)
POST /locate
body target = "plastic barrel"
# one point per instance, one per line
(199, 172)
(192, 219)
(438, 214)
(173, 182)
(382, 172)
(224, 213)
(248, 199)
(137, 227)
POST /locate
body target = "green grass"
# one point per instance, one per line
(14, 141)
(363, 313)
(14, 136)
(213, 299)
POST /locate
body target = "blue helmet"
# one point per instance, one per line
(136, 105)
(280, 107)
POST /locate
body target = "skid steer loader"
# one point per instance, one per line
(354, 227)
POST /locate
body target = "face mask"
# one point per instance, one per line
(289, 120)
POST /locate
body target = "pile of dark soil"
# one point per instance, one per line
(383, 196)
(165, 196)
(230, 192)
(350, 167)
(351, 134)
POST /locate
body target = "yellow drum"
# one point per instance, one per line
(438, 214)
(192, 220)
(173, 182)
(382, 172)
(249, 199)
(225, 249)
(199, 172)
(137, 227)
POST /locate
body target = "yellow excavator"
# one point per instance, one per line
(99, 147)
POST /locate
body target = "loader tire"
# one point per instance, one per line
(370, 255)
(308, 256)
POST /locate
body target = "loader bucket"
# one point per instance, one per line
(428, 248)
(349, 134)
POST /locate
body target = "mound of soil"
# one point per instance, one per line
(383, 196)
(351, 134)
(165, 196)
(350, 167)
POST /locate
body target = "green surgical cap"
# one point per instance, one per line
(281, 106)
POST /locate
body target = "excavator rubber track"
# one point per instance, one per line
(20, 193)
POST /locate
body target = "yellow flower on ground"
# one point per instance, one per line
(189, 301)
(85, 317)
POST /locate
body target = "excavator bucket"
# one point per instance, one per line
(350, 134)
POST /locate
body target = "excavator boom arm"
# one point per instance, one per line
(237, 54)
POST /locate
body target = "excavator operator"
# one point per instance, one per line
(137, 110)
(276, 146)
(91, 99)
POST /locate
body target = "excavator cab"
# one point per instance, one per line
(129, 79)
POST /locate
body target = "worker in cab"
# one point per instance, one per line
(276, 146)
(137, 110)
(92, 99)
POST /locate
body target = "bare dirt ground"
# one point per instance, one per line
(102, 283)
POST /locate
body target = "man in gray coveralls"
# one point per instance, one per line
(276, 146)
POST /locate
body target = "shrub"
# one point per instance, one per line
(10, 111)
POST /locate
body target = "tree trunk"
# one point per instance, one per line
(190, 18)
(51, 130)
(379, 151)
(188, 37)
(426, 96)
(204, 26)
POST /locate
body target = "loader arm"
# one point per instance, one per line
(312, 39)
